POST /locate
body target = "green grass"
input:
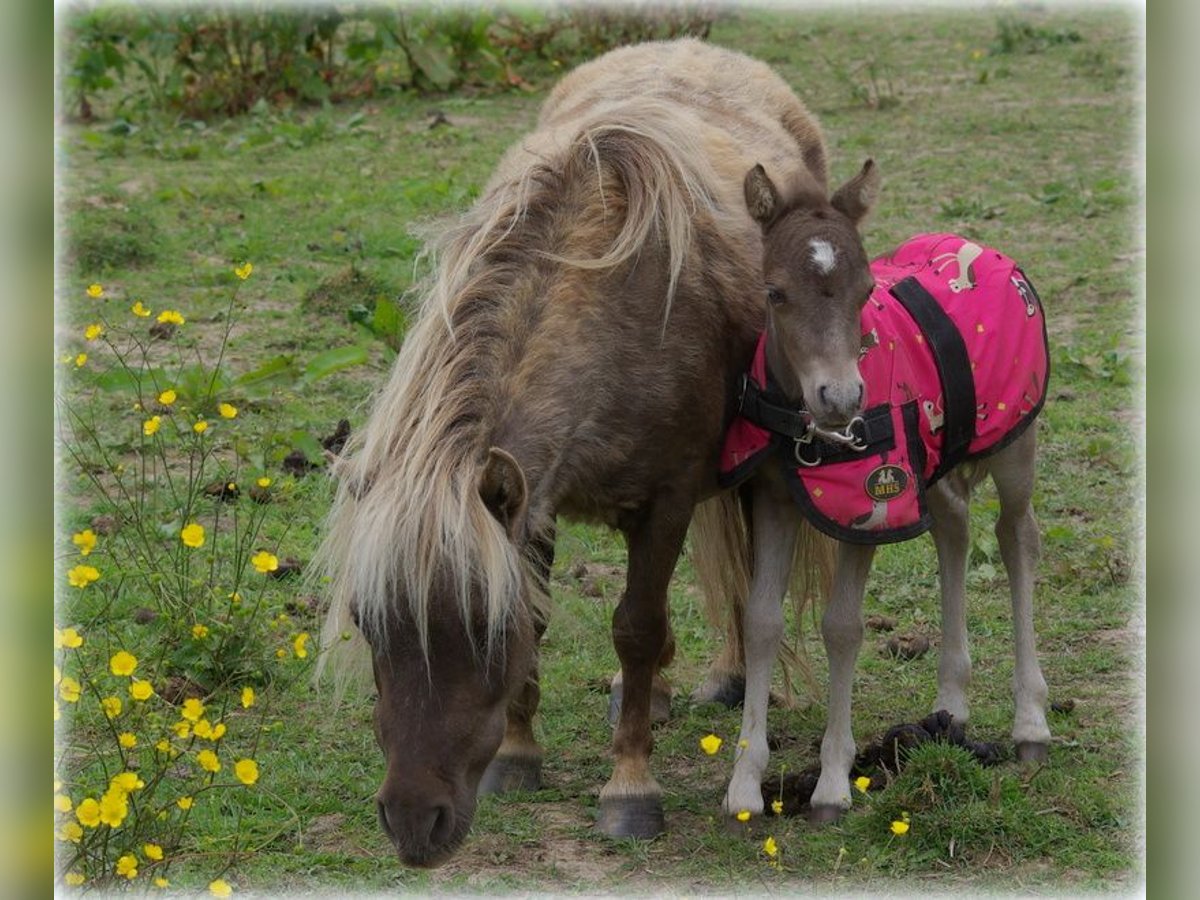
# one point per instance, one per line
(1018, 132)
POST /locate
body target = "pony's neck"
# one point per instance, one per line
(780, 371)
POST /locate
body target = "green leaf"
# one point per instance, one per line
(434, 64)
(277, 371)
(309, 446)
(332, 361)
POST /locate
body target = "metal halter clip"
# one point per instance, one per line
(846, 437)
(806, 440)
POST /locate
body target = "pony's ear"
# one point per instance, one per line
(762, 197)
(856, 197)
(503, 491)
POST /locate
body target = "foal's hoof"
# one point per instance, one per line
(728, 690)
(824, 814)
(1033, 751)
(639, 817)
(660, 705)
(505, 774)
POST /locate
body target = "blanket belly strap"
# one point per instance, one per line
(953, 363)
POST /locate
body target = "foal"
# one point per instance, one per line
(809, 427)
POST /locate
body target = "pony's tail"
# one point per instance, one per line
(723, 558)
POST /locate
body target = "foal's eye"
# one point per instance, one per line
(775, 296)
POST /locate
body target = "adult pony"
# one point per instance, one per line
(956, 381)
(577, 354)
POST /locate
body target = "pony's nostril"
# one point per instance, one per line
(823, 395)
(384, 822)
(443, 825)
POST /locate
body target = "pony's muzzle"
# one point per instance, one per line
(421, 832)
(838, 402)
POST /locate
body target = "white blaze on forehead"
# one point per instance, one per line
(823, 255)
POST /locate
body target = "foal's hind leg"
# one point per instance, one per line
(517, 765)
(949, 502)
(842, 629)
(1017, 533)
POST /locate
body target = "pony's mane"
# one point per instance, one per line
(408, 520)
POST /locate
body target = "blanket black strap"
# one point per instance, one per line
(873, 429)
(954, 368)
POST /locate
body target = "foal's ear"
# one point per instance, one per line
(503, 491)
(762, 197)
(855, 198)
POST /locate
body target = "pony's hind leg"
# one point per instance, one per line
(631, 801)
(517, 765)
(842, 630)
(949, 502)
(775, 527)
(1017, 534)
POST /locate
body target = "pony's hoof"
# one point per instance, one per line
(1033, 751)
(660, 705)
(728, 690)
(505, 774)
(638, 817)
(824, 814)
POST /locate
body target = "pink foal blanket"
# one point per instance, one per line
(955, 361)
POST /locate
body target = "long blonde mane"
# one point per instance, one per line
(408, 523)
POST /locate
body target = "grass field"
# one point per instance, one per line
(1018, 129)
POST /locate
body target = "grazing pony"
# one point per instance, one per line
(577, 353)
(951, 343)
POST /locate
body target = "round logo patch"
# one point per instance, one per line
(886, 483)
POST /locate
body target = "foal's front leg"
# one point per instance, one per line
(842, 629)
(775, 526)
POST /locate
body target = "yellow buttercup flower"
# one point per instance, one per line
(68, 638)
(183, 730)
(73, 879)
(170, 315)
(163, 746)
(139, 310)
(126, 782)
(227, 410)
(112, 706)
(127, 866)
(85, 540)
(246, 771)
(243, 271)
(777, 807)
(141, 690)
(127, 739)
(199, 632)
(81, 576)
(899, 827)
(69, 689)
(71, 831)
(193, 709)
(770, 847)
(202, 729)
(88, 813)
(264, 562)
(192, 535)
(114, 807)
(152, 851)
(220, 888)
(161, 882)
(95, 291)
(247, 697)
(207, 760)
(151, 425)
(218, 732)
(167, 397)
(93, 331)
(62, 803)
(184, 803)
(81, 360)
(862, 782)
(122, 663)
(263, 482)
(710, 744)
(200, 426)
(298, 645)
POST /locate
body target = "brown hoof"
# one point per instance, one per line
(660, 705)
(638, 817)
(729, 691)
(824, 814)
(1033, 751)
(505, 774)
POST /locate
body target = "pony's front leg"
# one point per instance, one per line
(842, 630)
(775, 527)
(517, 765)
(631, 802)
